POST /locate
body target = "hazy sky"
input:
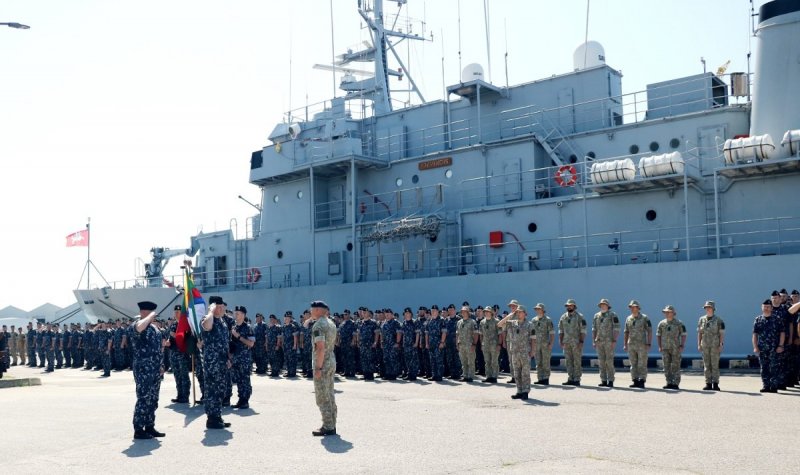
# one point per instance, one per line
(142, 114)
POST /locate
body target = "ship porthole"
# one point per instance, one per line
(349, 246)
(448, 174)
(399, 182)
(650, 215)
(300, 195)
(415, 179)
(633, 149)
(674, 143)
(654, 146)
(591, 155)
(280, 254)
(532, 227)
(275, 199)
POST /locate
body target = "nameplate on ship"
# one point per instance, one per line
(438, 163)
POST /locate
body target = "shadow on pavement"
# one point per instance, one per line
(245, 412)
(142, 448)
(190, 413)
(217, 437)
(537, 402)
(335, 444)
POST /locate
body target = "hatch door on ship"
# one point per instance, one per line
(709, 139)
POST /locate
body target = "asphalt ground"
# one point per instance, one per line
(76, 422)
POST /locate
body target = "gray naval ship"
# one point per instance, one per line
(562, 187)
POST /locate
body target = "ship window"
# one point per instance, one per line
(275, 199)
(674, 143)
(532, 227)
(634, 149)
(573, 158)
(415, 179)
(591, 155)
(280, 254)
(654, 146)
(448, 173)
(349, 246)
(433, 238)
(399, 182)
(650, 215)
(300, 195)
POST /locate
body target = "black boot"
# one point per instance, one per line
(641, 384)
(516, 396)
(609, 384)
(152, 431)
(242, 404)
(603, 384)
(322, 432)
(216, 423)
(141, 435)
(716, 387)
(523, 396)
(634, 384)
(708, 387)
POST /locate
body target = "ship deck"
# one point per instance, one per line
(77, 423)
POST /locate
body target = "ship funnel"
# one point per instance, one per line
(588, 55)
(472, 72)
(776, 101)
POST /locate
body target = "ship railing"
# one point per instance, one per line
(256, 277)
(582, 116)
(421, 200)
(309, 111)
(745, 238)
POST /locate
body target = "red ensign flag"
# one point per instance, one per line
(78, 238)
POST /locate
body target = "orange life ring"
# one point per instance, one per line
(253, 275)
(567, 176)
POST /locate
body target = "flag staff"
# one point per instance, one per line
(88, 252)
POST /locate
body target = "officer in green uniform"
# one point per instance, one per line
(605, 331)
(710, 341)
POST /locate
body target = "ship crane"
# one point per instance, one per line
(160, 258)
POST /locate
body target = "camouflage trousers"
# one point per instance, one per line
(605, 356)
(348, 354)
(77, 358)
(59, 357)
(105, 359)
(573, 352)
(491, 357)
(181, 365)
(241, 368)
(437, 365)
(275, 357)
(41, 353)
(411, 358)
(452, 361)
(147, 377)
(543, 354)
(216, 377)
(391, 361)
(326, 400)
(260, 357)
(22, 349)
(367, 360)
(119, 358)
(31, 356)
(424, 358)
(12, 352)
(521, 370)
(770, 378)
(466, 353)
(638, 357)
(67, 357)
(672, 365)
(290, 357)
(711, 364)
(51, 356)
(783, 366)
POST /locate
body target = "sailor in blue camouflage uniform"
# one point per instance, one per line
(435, 335)
(229, 322)
(30, 341)
(89, 346)
(147, 347)
(289, 342)
(119, 342)
(782, 314)
(347, 345)
(67, 344)
(452, 363)
(48, 344)
(40, 351)
(104, 348)
(59, 346)
(216, 339)
(423, 356)
(367, 343)
(411, 335)
(77, 347)
(180, 361)
(260, 347)
(274, 354)
(391, 336)
(242, 340)
(768, 343)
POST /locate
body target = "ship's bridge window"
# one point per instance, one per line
(448, 173)
(275, 199)
(399, 182)
(654, 146)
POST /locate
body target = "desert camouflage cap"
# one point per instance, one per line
(570, 302)
(604, 301)
(709, 303)
(522, 308)
(668, 308)
(634, 303)
(539, 305)
(513, 302)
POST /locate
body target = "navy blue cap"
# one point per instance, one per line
(319, 304)
(147, 305)
(177, 307)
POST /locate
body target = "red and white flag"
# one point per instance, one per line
(78, 238)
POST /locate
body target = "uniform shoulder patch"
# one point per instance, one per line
(721, 325)
(649, 324)
(683, 328)
(616, 319)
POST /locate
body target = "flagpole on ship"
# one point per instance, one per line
(88, 252)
